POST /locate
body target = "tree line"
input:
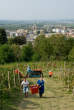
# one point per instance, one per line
(55, 47)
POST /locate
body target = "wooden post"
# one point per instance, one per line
(73, 91)
(58, 73)
(34, 65)
(18, 77)
(14, 79)
(17, 66)
(18, 73)
(2, 76)
(62, 73)
(68, 81)
(23, 68)
(64, 70)
(8, 79)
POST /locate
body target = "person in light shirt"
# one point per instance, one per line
(25, 85)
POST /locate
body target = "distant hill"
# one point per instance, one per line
(5, 22)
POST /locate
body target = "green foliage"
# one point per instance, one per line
(38, 41)
(61, 46)
(71, 54)
(56, 47)
(36, 57)
(17, 52)
(71, 42)
(27, 52)
(3, 36)
(10, 41)
(6, 54)
(20, 40)
(43, 47)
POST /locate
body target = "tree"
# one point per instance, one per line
(42, 46)
(27, 52)
(70, 42)
(3, 36)
(36, 56)
(61, 46)
(20, 40)
(17, 52)
(6, 54)
(71, 54)
(11, 41)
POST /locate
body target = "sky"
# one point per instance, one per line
(36, 9)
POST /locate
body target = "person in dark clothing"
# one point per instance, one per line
(41, 86)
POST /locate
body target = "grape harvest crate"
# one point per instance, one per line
(35, 73)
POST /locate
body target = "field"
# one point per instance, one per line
(59, 91)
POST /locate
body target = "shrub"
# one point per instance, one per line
(20, 40)
(3, 36)
(17, 52)
(27, 52)
(36, 57)
(71, 54)
(6, 54)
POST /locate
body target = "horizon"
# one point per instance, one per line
(61, 19)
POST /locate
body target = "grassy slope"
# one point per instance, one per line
(55, 97)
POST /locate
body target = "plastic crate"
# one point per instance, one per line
(34, 89)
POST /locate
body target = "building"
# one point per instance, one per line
(59, 30)
(71, 33)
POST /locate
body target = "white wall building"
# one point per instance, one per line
(59, 30)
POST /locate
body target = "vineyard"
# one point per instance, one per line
(10, 82)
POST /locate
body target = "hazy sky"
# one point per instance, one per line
(36, 9)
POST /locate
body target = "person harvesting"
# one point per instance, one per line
(25, 85)
(50, 73)
(40, 83)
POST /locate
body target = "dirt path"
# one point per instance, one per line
(55, 98)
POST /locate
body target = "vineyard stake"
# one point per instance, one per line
(8, 79)
(18, 77)
(73, 91)
(14, 79)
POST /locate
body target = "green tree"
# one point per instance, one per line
(36, 56)
(11, 41)
(42, 46)
(20, 40)
(27, 52)
(70, 42)
(17, 52)
(61, 46)
(71, 54)
(3, 36)
(6, 54)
